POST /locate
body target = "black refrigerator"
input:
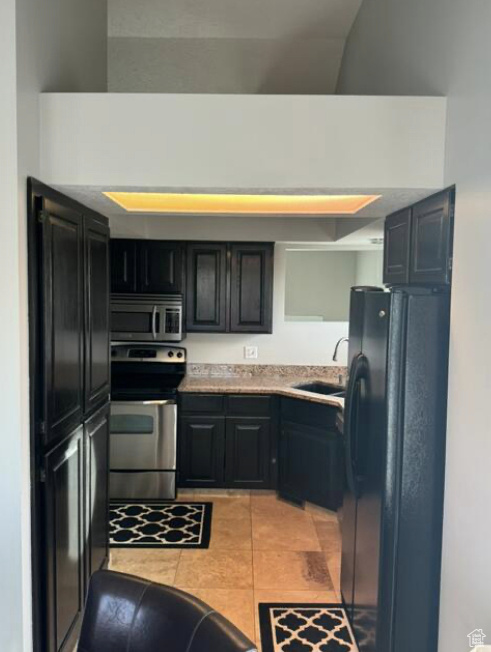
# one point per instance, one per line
(394, 431)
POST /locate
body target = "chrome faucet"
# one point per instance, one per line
(338, 343)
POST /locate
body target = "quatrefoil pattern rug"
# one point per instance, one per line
(305, 628)
(160, 525)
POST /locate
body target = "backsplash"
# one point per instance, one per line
(256, 370)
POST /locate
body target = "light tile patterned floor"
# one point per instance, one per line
(262, 549)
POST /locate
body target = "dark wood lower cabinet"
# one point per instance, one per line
(326, 476)
(248, 456)
(64, 540)
(97, 491)
(311, 465)
(311, 457)
(76, 525)
(202, 451)
(226, 448)
(294, 463)
(232, 441)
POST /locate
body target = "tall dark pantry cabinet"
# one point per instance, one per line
(70, 384)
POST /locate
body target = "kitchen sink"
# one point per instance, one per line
(320, 388)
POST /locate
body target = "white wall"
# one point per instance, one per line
(223, 65)
(226, 46)
(254, 229)
(290, 343)
(52, 45)
(369, 268)
(318, 283)
(242, 141)
(61, 46)
(443, 46)
(14, 617)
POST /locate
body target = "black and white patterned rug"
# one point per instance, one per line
(305, 628)
(160, 525)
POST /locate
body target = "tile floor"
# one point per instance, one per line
(262, 549)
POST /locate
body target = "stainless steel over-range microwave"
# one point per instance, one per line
(146, 318)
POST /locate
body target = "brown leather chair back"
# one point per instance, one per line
(134, 615)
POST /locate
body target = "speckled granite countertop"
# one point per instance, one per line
(264, 379)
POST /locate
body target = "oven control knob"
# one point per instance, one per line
(171, 354)
(179, 355)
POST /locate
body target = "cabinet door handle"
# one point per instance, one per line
(145, 259)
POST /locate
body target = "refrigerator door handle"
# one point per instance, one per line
(357, 374)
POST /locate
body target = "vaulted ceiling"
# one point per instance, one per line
(228, 46)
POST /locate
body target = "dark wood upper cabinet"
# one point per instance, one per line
(432, 239)
(146, 266)
(97, 355)
(251, 288)
(419, 241)
(64, 541)
(97, 491)
(206, 288)
(228, 286)
(397, 247)
(161, 266)
(123, 266)
(62, 403)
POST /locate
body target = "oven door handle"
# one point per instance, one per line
(167, 401)
(154, 322)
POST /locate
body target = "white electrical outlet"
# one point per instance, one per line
(250, 352)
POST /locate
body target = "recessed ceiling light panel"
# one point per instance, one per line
(207, 204)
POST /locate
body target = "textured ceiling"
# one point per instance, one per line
(360, 232)
(391, 199)
(252, 46)
(345, 231)
(325, 19)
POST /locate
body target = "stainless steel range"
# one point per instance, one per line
(143, 427)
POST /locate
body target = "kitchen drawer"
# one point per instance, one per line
(248, 406)
(202, 403)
